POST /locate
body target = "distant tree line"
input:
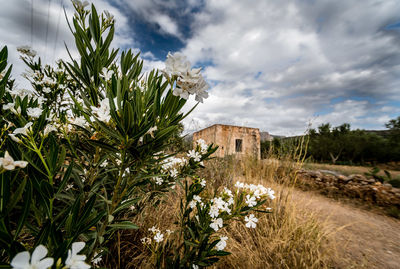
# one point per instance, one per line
(341, 145)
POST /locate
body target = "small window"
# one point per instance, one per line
(239, 143)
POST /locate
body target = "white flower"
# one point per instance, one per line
(11, 107)
(173, 172)
(203, 183)
(221, 244)
(220, 204)
(104, 164)
(80, 4)
(194, 266)
(251, 221)
(271, 194)
(146, 240)
(23, 260)
(46, 90)
(50, 81)
(228, 192)
(197, 198)
(216, 224)
(80, 121)
(203, 146)
(97, 258)
(192, 204)
(214, 211)
(152, 130)
(154, 229)
(21, 93)
(158, 180)
(23, 130)
(176, 64)
(102, 112)
(108, 15)
(40, 100)
(181, 93)
(159, 237)
(49, 128)
(239, 185)
(8, 163)
(69, 186)
(107, 74)
(250, 200)
(75, 261)
(192, 82)
(195, 155)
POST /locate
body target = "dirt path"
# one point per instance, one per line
(364, 239)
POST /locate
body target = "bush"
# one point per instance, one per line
(90, 140)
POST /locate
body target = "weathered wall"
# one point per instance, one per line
(225, 137)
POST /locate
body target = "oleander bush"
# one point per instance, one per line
(84, 151)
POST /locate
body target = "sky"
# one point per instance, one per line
(280, 66)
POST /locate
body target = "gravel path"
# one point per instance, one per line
(364, 239)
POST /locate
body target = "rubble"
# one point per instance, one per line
(353, 186)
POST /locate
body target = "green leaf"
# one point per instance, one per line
(66, 176)
(46, 189)
(17, 195)
(124, 225)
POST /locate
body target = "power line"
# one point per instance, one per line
(32, 23)
(47, 28)
(58, 26)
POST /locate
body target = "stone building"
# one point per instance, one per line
(232, 140)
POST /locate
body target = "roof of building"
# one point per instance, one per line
(225, 125)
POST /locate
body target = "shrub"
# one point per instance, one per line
(89, 138)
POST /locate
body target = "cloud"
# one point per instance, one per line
(154, 12)
(272, 65)
(48, 20)
(282, 64)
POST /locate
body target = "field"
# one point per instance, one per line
(304, 229)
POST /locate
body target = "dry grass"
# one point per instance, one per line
(289, 237)
(347, 169)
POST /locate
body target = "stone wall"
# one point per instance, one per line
(225, 137)
(353, 186)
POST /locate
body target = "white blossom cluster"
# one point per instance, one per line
(196, 200)
(256, 191)
(220, 205)
(201, 149)
(24, 260)
(157, 236)
(190, 81)
(172, 165)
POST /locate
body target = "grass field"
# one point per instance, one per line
(304, 230)
(288, 237)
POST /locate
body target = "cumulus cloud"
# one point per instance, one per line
(154, 12)
(279, 65)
